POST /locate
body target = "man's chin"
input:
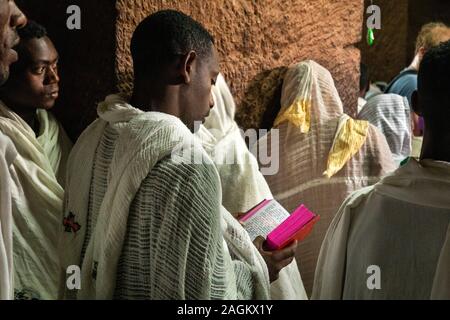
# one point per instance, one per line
(47, 106)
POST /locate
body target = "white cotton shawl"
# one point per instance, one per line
(243, 185)
(37, 201)
(144, 139)
(391, 114)
(7, 155)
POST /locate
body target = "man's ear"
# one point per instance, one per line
(415, 103)
(187, 66)
(421, 52)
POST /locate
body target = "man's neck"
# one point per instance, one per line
(436, 146)
(415, 63)
(162, 100)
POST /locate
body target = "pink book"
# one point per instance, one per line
(270, 220)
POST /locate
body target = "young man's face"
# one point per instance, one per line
(198, 98)
(35, 83)
(10, 19)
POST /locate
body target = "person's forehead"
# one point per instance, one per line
(40, 49)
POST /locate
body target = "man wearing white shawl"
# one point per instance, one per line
(324, 154)
(11, 18)
(390, 241)
(391, 114)
(39, 168)
(243, 185)
(142, 220)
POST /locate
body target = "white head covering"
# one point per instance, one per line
(8, 154)
(391, 114)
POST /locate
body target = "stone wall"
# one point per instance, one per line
(254, 37)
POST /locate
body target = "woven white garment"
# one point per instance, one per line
(37, 201)
(157, 229)
(391, 114)
(441, 283)
(397, 227)
(304, 156)
(7, 155)
(243, 185)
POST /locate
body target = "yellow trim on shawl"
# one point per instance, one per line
(351, 135)
(299, 114)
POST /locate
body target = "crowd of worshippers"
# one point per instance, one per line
(141, 225)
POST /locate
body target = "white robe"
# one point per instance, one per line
(37, 200)
(391, 114)
(387, 240)
(7, 155)
(324, 154)
(243, 185)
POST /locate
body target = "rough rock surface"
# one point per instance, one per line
(254, 37)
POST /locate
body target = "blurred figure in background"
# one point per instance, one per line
(390, 240)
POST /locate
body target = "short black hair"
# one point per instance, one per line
(32, 30)
(434, 81)
(364, 77)
(163, 36)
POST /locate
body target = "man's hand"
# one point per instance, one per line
(275, 260)
(239, 215)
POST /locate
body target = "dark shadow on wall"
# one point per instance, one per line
(87, 56)
(261, 102)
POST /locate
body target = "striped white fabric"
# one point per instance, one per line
(391, 114)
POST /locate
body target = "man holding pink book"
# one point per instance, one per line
(150, 222)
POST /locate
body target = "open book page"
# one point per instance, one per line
(264, 220)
